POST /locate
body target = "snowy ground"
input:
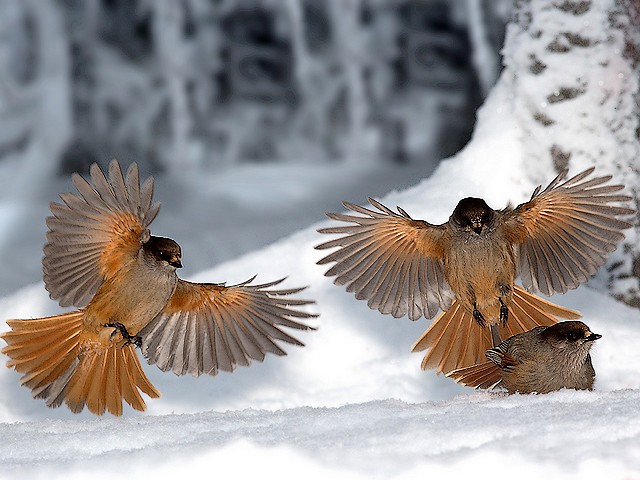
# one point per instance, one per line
(561, 435)
(353, 403)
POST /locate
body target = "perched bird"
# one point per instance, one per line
(101, 258)
(541, 360)
(467, 266)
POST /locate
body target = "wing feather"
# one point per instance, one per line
(565, 232)
(93, 232)
(389, 259)
(205, 328)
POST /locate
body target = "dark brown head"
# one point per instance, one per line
(472, 215)
(569, 334)
(164, 251)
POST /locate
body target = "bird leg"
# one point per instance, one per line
(478, 316)
(504, 312)
(495, 335)
(130, 339)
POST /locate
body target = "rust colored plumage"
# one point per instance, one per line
(455, 339)
(467, 267)
(101, 258)
(541, 360)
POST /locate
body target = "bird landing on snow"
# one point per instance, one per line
(101, 258)
(467, 267)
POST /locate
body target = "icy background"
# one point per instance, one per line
(353, 403)
(289, 104)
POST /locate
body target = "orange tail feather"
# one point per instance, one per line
(455, 340)
(57, 365)
(485, 375)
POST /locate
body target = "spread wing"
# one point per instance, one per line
(94, 232)
(205, 328)
(390, 259)
(565, 232)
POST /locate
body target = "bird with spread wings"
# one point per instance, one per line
(467, 267)
(101, 258)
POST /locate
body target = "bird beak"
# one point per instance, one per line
(593, 337)
(176, 263)
(477, 226)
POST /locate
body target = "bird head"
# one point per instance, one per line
(573, 334)
(472, 215)
(165, 251)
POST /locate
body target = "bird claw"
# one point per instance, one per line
(130, 339)
(479, 317)
(134, 340)
(504, 313)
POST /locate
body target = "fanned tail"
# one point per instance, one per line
(528, 311)
(455, 340)
(43, 350)
(59, 364)
(485, 375)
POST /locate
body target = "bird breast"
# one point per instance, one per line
(134, 297)
(477, 265)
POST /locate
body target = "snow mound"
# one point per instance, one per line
(562, 434)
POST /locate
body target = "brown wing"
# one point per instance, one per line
(502, 358)
(210, 327)
(390, 259)
(565, 232)
(93, 233)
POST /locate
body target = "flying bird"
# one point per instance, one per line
(541, 360)
(467, 266)
(101, 258)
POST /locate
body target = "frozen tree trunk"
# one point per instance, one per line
(301, 54)
(82, 38)
(55, 123)
(168, 38)
(313, 85)
(52, 124)
(485, 59)
(352, 47)
(573, 66)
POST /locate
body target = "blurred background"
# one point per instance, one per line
(279, 91)
(209, 83)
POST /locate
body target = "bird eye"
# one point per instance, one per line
(572, 336)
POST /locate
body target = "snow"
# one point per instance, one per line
(540, 435)
(353, 403)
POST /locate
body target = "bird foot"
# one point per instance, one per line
(479, 317)
(130, 339)
(504, 313)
